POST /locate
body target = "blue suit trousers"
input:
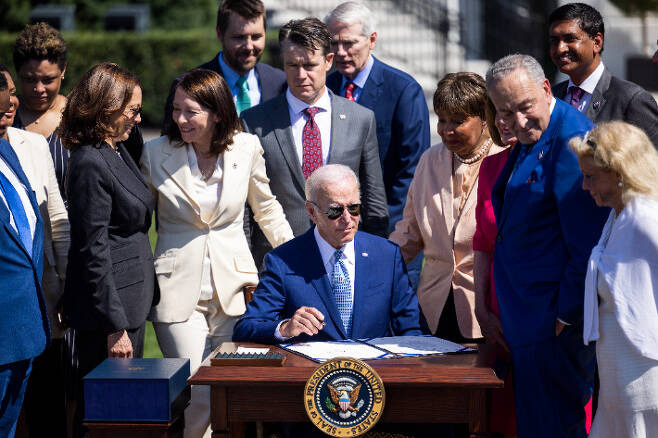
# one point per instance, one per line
(13, 382)
(553, 382)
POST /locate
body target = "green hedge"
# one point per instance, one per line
(157, 57)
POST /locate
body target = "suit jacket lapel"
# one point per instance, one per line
(178, 168)
(230, 158)
(362, 272)
(12, 161)
(129, 177)
(283, 133)
(372, 88)
(339, 130)
(598, 96)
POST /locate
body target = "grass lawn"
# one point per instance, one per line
(151, 348)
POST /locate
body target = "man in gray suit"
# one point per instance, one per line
(308, 127)
(576, 33)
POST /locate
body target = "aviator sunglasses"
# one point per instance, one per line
(334, 213)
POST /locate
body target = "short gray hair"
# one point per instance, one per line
(353, 12)
(324, 176)
(510, 63)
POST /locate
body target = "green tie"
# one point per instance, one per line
(243, 101)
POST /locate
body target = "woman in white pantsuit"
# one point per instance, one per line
(202, 173)
(620, 170)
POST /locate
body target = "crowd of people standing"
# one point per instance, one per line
(307, 183)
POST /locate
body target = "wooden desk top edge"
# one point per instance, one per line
(423, 371)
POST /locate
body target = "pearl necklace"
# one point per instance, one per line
(475, 157)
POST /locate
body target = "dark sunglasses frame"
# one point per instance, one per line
(334, 213)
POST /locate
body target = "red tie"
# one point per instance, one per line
(349, 90)
(311, 143)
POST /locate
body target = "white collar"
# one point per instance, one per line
(327, 251)
(297, 105)
(592, 80)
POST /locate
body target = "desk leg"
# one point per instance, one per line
(479, 414)
(219, 412)
(219, 422)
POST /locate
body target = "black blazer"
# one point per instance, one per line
(617, 99)
(110, 275)
(272, 82)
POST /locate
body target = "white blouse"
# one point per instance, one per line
(207, 197)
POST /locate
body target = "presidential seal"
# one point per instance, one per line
(344, 397)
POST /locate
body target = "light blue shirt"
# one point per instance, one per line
(231, 77)
(359, 80)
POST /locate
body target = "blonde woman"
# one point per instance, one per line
(620, 171)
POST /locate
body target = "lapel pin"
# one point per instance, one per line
(596, 105)
(364, 254)
(341, 116)
(235, 166)
(541, 155)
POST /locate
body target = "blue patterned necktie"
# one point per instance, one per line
(340, 286)
(18, 212)
(243, 101)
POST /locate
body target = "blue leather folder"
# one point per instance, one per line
(137, 390)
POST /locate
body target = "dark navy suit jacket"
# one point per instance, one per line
(294, 276)
(23, 316)
(403, 128)
(272, 82)
(547, 226)
(617, 99)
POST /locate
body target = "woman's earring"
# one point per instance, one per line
(620, 184)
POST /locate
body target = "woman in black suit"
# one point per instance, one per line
(110, 276)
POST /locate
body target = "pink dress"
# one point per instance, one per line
(503, 418)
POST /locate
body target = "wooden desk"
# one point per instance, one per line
(173, 429)
(436, 389)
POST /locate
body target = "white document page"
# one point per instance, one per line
(322, 351)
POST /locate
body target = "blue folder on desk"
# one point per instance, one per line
(138, 390)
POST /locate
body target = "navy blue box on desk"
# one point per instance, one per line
(138, 390)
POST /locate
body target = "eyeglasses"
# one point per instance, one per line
(334, 213)
(133, 112)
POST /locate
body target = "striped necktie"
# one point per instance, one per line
(340, 285)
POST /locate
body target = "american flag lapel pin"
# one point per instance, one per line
(541, 155)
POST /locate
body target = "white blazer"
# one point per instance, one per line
(34, 155)
(184, 238)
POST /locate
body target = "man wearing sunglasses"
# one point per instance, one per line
(332, 282)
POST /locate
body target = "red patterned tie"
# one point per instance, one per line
(311, 143)
(349, 90)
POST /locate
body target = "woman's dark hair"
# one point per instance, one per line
(461, 93)
(40, 41)
(209, 90)
(102, 93)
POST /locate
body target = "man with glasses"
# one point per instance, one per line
(332, 282)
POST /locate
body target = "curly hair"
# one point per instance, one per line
(625, 149)
(102, 93)
(40, 41)
(209, 90)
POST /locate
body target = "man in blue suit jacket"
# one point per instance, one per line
(547, 227)
(331, 282)
(403, 129)
(23, 315)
